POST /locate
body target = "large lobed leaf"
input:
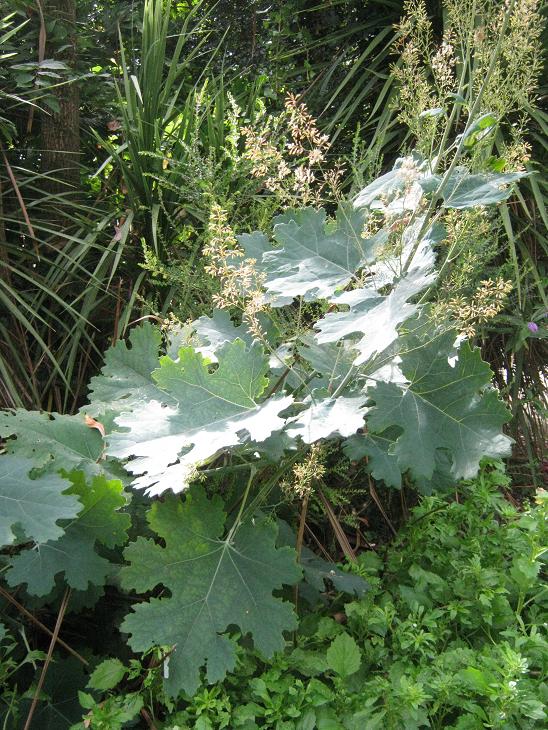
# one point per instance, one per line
(210, 411)
(442, 408)
(53, 441)
(214, 583)
(376, 317)
(313, 259)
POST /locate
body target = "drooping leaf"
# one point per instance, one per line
(126, 377)
(211, 411)
(313, 258)
(317, 572)
(214, 583)
(376, 317)
(58, 441)
(326, 416)
(441, 407)
(74, 554)
(33, 505)
(466, 190)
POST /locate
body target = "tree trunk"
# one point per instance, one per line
(61, 130)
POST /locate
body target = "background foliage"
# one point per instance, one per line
(301, 205)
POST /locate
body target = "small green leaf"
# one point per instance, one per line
(343, 656)
(107, 675)
(476, 679)
(86, 700)
(481, 127)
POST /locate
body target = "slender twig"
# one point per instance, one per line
(147, 718)
(337, 528)
(20, 199)
(376, 499)
(299, 543)
(40, 625)
(60, 617)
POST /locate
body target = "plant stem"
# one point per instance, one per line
(237, 521)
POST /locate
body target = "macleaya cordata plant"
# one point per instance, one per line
(234, 398)
(213, 397)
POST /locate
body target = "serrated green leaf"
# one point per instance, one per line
(212, 411)
(343, 656)
(73, 554)
(33, 505)
(107, 675)
(52, 440)
(442, 407)
(213, 582)
(313, 259)
(126, 377)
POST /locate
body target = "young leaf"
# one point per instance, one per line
(442, 407)
(34, 505)
(74, 553)
(343, 656)
(107, 675)
(213, 582)
(211, 411)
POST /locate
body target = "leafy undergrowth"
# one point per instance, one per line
(450, 634)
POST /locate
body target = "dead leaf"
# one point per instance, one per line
(92, 423)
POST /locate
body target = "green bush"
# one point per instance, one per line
(450, 634)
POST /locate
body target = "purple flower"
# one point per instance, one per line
(532, 326)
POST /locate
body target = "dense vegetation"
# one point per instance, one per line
(272, 359)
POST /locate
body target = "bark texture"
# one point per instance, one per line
(61, 130)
